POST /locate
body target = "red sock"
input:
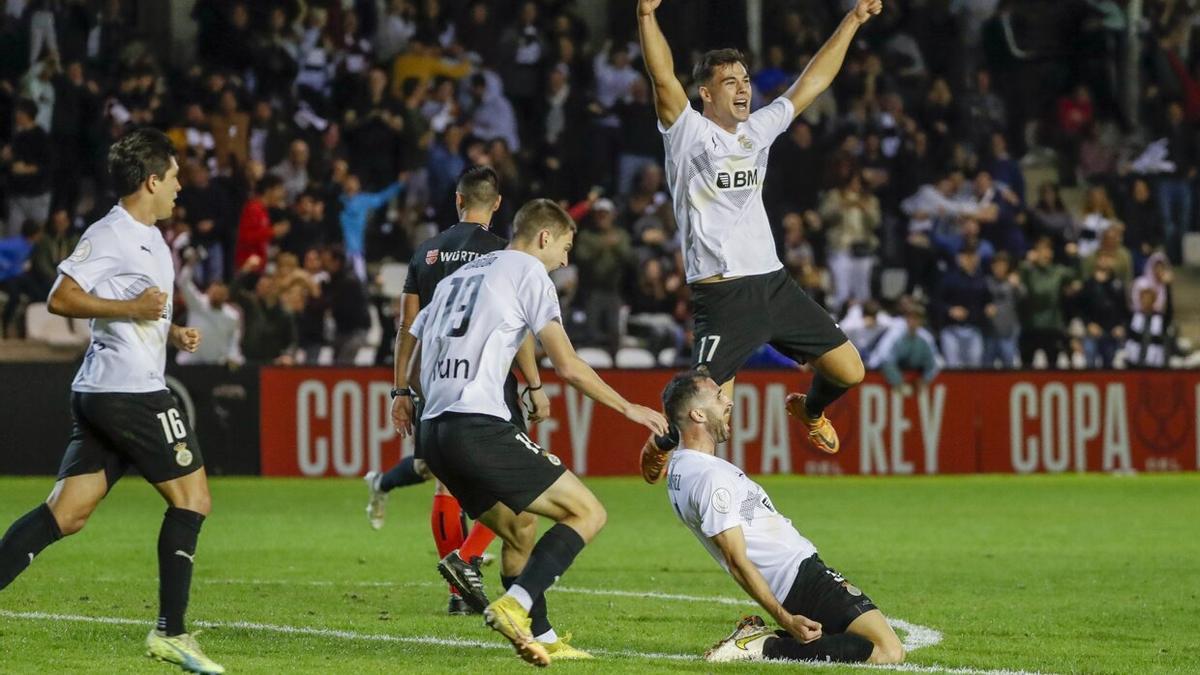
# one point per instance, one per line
(446, 523)
(477, 541)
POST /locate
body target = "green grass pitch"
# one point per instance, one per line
(1096, 574)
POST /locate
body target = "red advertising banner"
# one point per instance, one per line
(336, 422)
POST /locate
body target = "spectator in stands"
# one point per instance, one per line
(293, 170)
(1149, 342)
(1046, 285)
(310, 320)
(231, 132)
(209, 205)
(15, 266)
(269, 331)
(396, 28)
(217, 319)
(965, 304)
(1175, 188)
(357, 207)
(851, 216)
(27, 161)
(53, 247)
(1052, 219)
(255, 229)
(652, 306)
(490, 112)
(1103, 303)
(1004, 327)
(865, 325)
(1158, 277)
(602, 253)
(524, 50)
(562, 119)
(346, 298)
(910, 348)
(1121, 259)
(986, 115)
(1098, 216)
(1143, 223)
(794, 155)
(641, 143)
(270, 138)
(308, 228)
(615, 78)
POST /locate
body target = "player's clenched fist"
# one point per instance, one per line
(149, 305)
(865, 9)
(801, 628)
(648, 6)
(187, 339)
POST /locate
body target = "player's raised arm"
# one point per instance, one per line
(669, 97)
(825, 65)
(580, 375)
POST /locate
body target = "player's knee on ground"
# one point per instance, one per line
(888, 653)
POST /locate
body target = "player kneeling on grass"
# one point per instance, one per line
(823, 616)
(468, 334)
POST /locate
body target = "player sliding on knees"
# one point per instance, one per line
(122, 411)
(716, 163)
(822, 615)
(469, 333)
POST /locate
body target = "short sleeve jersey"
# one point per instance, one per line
(444, 253)
(117, 258)
(473, 326)
(710, 496)
(716, 179)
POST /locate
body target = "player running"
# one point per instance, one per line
(477, 197)
(822, 615)
(716, 164)
(468, 335)
(121, 276)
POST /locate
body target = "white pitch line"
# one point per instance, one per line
(916, 636)
(444, 642)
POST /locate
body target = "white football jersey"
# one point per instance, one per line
(710, 495)
(471, 330)
(716, 181)
(117, 258)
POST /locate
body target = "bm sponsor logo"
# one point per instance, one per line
(737, 180)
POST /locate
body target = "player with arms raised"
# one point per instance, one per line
(469, 333)
(824, 617)
(716, 163)
(121, 276)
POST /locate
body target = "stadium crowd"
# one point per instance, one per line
(320, 140)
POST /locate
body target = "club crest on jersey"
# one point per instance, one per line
(745, 142)
(737, 180)
(431, 257)
(82, 251)
(183, 456)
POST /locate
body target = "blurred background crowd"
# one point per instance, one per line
(988, 183)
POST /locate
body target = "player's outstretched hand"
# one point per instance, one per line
(651, 419)
(149, 305)
(865, 9)
(187, 339)
(402, 415)
(648, 6)
(802, 628)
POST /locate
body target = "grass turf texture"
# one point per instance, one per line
(1057, 574)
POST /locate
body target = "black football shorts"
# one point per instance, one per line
(483, 460)
(733, 319)
(824, 595)
(113, 431)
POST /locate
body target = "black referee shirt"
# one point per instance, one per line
(442, 255)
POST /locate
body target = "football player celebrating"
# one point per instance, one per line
(716, 162)
(822, 615)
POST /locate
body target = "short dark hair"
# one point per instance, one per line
(703, 71)
(137, 156)
(267, 183)
(541, 214)
(680, 391)
(479, 187)
(30, 228)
